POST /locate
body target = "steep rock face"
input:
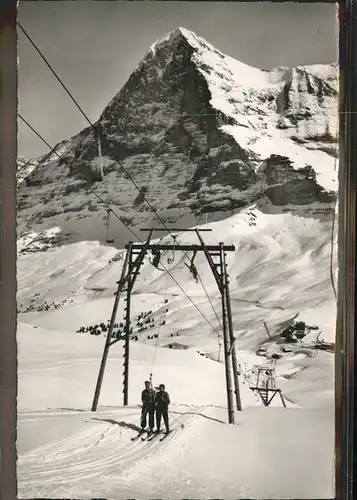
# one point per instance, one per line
(307, 108)
(285, 185)
(198, 132)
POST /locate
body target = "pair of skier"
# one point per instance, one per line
(155, 402)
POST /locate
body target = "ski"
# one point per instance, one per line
(165, 435)
(152, 436)
(147, 436)
(134, 438)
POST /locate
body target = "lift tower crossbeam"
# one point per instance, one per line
(175, 230)
(183, 248)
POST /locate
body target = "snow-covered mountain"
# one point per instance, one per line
(199, 132)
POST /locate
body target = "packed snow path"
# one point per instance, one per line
(260, 457)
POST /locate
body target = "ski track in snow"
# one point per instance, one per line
(102, 449)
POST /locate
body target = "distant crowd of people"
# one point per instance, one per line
(154, 403)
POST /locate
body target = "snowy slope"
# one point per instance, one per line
(67, 451)
(287, 253)
(280, 270)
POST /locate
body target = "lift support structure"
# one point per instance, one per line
(134, 259)
(267, 389)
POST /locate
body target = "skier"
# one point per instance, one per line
(162, 401)
(148, 401)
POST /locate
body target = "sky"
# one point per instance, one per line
(94, 46)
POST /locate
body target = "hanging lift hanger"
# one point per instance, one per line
(171, 260)
(192, 268)
(107, 239)
(156, 260)
(157, 255)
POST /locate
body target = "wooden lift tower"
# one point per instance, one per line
(134, 259)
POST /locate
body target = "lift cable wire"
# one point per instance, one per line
(54, 73)
(190, 299)
(210, 301)
(219, 334)
(95, 128)
(158, 333)
(139, 239)
(106, 142)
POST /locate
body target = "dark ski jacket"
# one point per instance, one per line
(148, 397)
(162, 399)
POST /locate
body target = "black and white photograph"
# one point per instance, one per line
(177, 249)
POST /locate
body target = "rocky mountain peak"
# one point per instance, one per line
(199, 132)
(173, 38)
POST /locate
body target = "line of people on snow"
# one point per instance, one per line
(155, 403)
